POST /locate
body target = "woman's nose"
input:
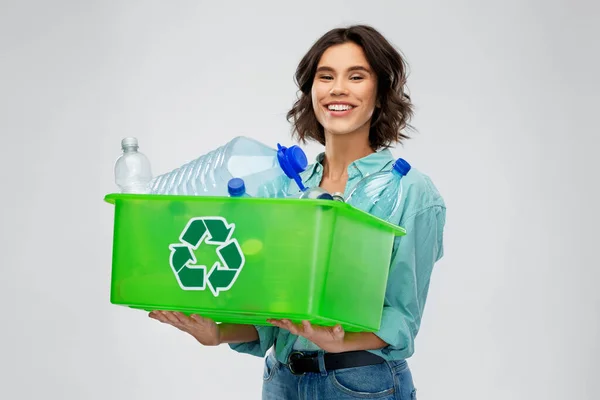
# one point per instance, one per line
(338, 89)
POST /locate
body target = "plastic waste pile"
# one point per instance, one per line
(245, 167)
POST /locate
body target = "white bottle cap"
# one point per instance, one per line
(129, 142)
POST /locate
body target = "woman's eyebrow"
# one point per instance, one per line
(325, 68)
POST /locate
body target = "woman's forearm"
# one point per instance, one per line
(237, 333)
(362, 341)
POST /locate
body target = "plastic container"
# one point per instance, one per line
(132, 169)
(338, 196)
(380, 194)
(237, 188)
(259, 165)
(244, 260)
(315, 193)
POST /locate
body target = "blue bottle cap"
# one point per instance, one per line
(292, 161)
(236, 187)
(325, 196)
(401, 166)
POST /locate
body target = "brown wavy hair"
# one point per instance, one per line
(395, 109)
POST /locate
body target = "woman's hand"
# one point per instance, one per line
(204, 330)
(330, 339)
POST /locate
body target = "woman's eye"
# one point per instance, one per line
(356, 78)
(326, 77)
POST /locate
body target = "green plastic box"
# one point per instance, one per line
(243, 260)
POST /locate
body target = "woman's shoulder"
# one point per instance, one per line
(420, 193)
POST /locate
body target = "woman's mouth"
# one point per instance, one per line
(339, 110)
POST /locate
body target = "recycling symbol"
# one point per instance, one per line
(191, 274)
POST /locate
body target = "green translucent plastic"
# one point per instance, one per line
(317, 260)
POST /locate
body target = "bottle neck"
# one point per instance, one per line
(396, 173)
(130, 149)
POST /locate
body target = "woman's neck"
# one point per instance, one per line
(341, 151)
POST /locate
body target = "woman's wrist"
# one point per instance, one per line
(236, 333)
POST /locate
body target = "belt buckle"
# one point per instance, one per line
(292, 357)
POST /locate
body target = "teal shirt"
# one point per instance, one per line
(422, 213)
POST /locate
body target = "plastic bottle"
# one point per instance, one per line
(260, 166)
(237, 188)
(316, 193)
(380, 193)
(338, 196)
(132, 169)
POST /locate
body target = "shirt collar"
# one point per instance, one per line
(367, 165)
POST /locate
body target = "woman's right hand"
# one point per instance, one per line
(204, 330)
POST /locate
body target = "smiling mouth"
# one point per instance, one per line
(339, 107)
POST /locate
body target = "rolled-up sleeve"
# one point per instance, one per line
(413, 258)
(259, 348)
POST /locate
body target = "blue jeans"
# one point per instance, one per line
(391, 380)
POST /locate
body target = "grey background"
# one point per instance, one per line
(506, 96)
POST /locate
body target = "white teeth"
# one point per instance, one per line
(339, 107)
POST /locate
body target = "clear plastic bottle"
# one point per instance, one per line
(338, 196)
(380, 194)
(132, 169)
(237, 188)
(261, 167)
(316, 193)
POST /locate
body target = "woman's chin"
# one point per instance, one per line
(342, 130)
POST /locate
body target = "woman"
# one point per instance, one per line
(352, 101)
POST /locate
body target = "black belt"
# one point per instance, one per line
(300, 363)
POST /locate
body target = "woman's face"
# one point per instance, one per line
(344, 90)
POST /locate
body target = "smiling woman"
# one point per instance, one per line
(352, 101)
(356, 64)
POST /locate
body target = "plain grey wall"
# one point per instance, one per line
(506, 96)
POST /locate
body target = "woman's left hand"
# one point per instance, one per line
(328, 338)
